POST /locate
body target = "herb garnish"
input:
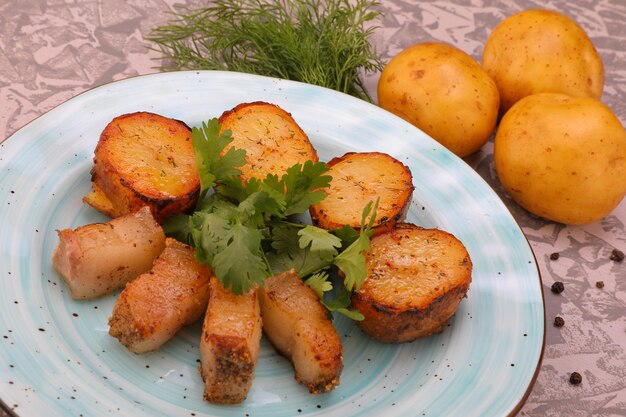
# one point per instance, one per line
(321, 42)
(242, 228)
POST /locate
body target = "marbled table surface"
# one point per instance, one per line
(52, 50)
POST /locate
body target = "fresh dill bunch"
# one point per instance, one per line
(321, 42)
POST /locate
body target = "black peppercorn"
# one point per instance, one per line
(575, 378)
(558, 287)
(558, 321)
(599, 284)
(617, 255)
(554, 256)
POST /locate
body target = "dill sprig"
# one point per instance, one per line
(321, 42)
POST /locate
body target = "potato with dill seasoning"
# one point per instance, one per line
(272, 139)
(416, 279)
(359, 178)
(144, 159)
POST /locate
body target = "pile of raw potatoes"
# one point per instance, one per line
(559, 151)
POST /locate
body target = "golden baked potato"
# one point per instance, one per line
(144, 159)
(360, 178)
(272, 139)
(416, 279)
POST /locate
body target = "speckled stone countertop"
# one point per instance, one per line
(52, 50)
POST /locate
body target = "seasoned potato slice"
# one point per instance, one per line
(359, 178)
(230, 343)
(272, 139)
(143, 159)
(98, 258)
(415, 281)
(299, 326)
(158, 303)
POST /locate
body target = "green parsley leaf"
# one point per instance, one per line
(303, 185)
(208, 145)
(352, 260)
(341, 302)
(319, 283)
(321, 241)
(241, 264)
(178, 227)
(289, 254)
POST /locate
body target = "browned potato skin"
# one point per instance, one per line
(96, 259)
(157, 304)
(416, 280)
(144, 159)
(542, 51)
(272, 139)
(230, 344)
(299, 327)
(361, 177)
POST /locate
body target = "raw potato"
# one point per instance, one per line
(300, 328)
(416, 279)
(562, 158)
(143, 159)
(444, 92)
(542, 51)
(157, 304)
(230, 344)
(360, 178)
(96, 259)
(272, 139)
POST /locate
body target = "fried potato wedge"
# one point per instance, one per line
(359, 178)
(272, 139)
(157, 304)
(416, 279)
(96, 259)
(300, 328)
(230, 344)
(144, 159)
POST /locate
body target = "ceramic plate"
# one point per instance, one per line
(57, 359)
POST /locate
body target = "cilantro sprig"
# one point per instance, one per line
(243, 228)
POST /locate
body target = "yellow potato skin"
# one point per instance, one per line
(444, 92)
(561, 157)
(542, 51)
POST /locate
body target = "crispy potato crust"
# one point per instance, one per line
(299, 326)
(416, 279)
(144, 159)
(272, 139)
(361, 177)
(230, 344)
(157, 304)
(95, 259)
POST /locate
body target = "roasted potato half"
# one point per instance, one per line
(157, 304)
(144, 159)
(416, 279)
(300, 328)
(230, 344)
(272, 139)
(361, 177)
